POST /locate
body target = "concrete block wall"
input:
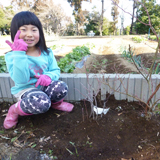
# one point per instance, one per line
(5, 84)
(82, 86)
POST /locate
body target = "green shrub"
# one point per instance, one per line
(139, 39)
(153, 38)
(3, 67)
(78, 53)
(127, 30)
(67, 63)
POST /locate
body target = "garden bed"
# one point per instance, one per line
(123, 133)
(108, 58)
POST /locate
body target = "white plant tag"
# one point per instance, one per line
(100, 110)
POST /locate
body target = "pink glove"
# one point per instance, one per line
(43, 80)
(18, 44)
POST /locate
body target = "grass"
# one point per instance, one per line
(139, 39)
(153, 38)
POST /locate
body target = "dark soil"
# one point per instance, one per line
(108, 64)
(123, 132)
(111, 63)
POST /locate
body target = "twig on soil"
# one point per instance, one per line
(4, 137)
(71, 153)
(83, 114)
(150, 46)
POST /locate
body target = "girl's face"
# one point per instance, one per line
(30, 34)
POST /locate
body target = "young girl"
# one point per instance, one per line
(33, 68)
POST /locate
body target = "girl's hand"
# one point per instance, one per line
(43, 80)
(18, 44)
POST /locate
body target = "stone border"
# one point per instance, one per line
(82, 86)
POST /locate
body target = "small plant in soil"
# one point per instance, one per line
(56, 46)
(90, 45)
(73, 144)
(67, 63)
(130, 55)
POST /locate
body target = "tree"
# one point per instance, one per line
(134, 7)
(127, 30)
(6, 15)
(115, 13)
(80, 18)
(153, 11)
(70, 31)
(52, 16)
(94, 22)
(77, 3)
(2, 20)
(106, 26)
(93, 19)
(20, 5)
(39, 6)
(101, 19)
(78, 13)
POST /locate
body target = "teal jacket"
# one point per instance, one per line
(22, 68)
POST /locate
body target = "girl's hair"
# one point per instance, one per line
(26, 18)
